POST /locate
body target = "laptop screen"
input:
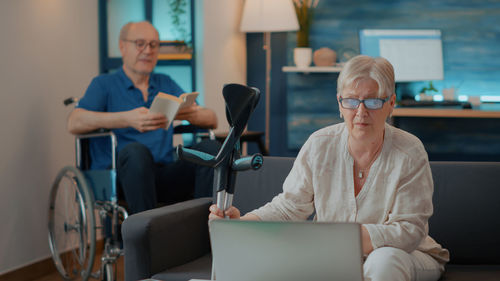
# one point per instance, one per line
(291, 251)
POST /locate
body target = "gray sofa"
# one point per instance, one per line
(172, 242)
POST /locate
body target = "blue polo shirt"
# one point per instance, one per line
(115, 92)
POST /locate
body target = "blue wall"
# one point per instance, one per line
(470, 34)
(302, 103)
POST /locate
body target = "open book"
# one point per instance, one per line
(170, 104)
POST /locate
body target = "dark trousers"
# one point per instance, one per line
(145, 183)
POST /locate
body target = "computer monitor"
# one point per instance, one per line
(416, 54)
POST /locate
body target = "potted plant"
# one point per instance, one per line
(178, 13)
(302, 55)
(427, 89)
(431, 88)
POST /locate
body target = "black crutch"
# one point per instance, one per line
(240, 103)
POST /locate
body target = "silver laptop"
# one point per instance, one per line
(286, 251)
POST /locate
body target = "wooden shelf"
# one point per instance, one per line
(313, 69)
(185, 56)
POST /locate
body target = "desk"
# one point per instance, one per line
(444, 112)
(454, 134)
(247, 136)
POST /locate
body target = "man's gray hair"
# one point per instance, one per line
(125, 29)
(362, 67)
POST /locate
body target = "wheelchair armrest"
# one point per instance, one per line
(82, 147)
(165, 237)
(183, 129)
(195, 130)
(96, 133)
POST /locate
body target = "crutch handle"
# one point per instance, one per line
(253, 162)
(195, 156)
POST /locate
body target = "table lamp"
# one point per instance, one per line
(268, 16)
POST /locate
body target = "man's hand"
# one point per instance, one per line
(142, 120)
(189, 113)
(198, 116)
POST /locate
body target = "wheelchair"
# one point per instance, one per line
(83, 202)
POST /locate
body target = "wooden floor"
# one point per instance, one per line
(55, 276)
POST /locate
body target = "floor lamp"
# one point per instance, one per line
(268, 16)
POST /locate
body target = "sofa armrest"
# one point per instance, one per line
(165, 237)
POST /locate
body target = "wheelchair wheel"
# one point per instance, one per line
(72, 233)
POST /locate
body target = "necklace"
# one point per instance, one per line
(362, 172)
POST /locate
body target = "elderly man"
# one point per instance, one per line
(146, 171)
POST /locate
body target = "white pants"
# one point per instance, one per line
(388, 263)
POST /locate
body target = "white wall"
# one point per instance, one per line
(222, 53)
(49, 51)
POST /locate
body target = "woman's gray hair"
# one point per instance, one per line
(361, 67)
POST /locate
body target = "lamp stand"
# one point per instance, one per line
(267, 48)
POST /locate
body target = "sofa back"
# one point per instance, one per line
(466, 204)
(256, 188)
(466, 217)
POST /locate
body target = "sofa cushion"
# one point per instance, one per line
(197, 269)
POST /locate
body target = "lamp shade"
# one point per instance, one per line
(268, 16)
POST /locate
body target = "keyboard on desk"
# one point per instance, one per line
(414, 103)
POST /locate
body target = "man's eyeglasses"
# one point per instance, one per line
(350, 103)
(141, 44)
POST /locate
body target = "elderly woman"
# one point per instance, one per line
(365, 171)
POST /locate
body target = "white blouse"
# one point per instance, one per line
(394, 204)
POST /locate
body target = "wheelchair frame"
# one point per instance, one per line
(72, 232)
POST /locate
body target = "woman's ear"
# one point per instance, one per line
(393, 100)
(340, 107)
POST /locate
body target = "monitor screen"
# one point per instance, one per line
(416, 54)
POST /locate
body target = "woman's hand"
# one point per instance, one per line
(366, 241)
(216, 213)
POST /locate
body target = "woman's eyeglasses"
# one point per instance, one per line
(351, 103)
(141, 44)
